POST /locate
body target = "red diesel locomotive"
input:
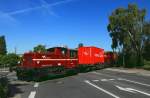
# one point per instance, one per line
(58, 61)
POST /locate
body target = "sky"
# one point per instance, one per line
(27, 23)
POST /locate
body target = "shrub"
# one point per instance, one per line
(146, 65)
(3, 87)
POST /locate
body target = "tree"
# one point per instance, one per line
(126, 30)
(39, 48)
(146, 37)
(10, 60)
(1, 56)
(3, 49)
(80, 45)
(146, 52)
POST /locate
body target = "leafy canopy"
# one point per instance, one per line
(126, 27)
(39, 48)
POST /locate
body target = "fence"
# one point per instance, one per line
(4, 69)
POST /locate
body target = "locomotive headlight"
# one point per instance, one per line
(38, 62)
(59, 64)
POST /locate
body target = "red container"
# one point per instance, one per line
(90, 55)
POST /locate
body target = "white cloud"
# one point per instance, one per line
(5, 18)
(43, 5)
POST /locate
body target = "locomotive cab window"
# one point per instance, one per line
(73, 53)
(64, 51)
(51, 50)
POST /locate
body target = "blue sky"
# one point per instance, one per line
(26, 23)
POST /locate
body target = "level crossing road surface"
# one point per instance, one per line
(95, 84)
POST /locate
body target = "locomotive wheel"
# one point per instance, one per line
(70, 72)
(54, 72)
(82, 68)
(20, 74)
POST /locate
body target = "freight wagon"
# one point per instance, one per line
(59, 61)
(110, 58)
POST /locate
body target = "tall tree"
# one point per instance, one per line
(39, 48)
(126, 29)
(146, 37)
(3, 49)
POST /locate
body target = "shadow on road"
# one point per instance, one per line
(15, 89)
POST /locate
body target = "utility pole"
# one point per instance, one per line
(123, 56)
(15, 50)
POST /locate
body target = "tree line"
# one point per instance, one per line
(130, 34)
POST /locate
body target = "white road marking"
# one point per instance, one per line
(123, 79)
(32, 94)
(107, 92)
(104, 80)
(95, 80)
(132, 90)
(139, 91)
(134, 82)
(125, 89)
(111, 79)
(107, 80)
(36, 84)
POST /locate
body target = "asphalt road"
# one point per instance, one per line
(96, 84)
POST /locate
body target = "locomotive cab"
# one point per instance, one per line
(58, 51)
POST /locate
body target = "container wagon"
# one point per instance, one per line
(110, 58)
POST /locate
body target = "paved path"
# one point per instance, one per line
(96, 84)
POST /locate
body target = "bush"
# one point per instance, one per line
(3, 87)
(131, 60)
(146, 65)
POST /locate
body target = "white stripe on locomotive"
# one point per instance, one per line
(53, 59)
